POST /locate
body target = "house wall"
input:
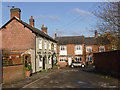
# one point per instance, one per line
(15, 59)
(17, 37)
(44, 52)
(32, 57)
(107, 62)
(11, 73)
(95, 48)
(71, 51)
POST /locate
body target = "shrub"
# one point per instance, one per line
(42, 70)
(28, 68)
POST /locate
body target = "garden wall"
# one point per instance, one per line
(108, 62)
(13, 72)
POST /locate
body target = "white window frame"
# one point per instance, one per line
(45, 44)
(40, 62)
(79, 59)
(50, 60)
(54, 46)
(88, 58)
(40, 43)
(62, 59)
(63, 50)
(100, 47)
(78, 49)
(88, 50)
(49, 46)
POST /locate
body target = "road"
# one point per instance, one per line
(73, 78)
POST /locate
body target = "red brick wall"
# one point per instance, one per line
(17, 14)
(108, 62)
(71, 51)
(17, 37)
(11, 73)
(95, 48)
(16, 60)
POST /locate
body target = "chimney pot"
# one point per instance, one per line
(15, 12)
(44, 29)
(31, 17)
(55, 35)
(31, 21)
(42, 25)
(96, 34)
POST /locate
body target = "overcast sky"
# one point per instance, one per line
(64, 18)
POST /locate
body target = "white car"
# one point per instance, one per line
(77, 64)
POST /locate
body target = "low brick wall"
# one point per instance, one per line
(108, 62)
(11, 73)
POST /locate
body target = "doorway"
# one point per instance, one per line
(44, 62)
(26, 60)
(69, 61)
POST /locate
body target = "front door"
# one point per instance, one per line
(43, 62)
(69, 61)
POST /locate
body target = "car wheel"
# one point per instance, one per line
(83, 65)
(72, 66)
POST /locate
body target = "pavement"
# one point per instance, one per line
(65, 78)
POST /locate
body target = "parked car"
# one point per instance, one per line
(77, 64)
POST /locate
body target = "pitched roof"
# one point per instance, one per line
(34, 30)
(70, 40)
(82, 40)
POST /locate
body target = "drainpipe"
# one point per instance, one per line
(35, 53)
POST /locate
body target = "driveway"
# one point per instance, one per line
(73, 78)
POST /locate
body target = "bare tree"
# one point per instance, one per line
(108, 14)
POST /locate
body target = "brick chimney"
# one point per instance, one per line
(44, 29)
(55, 35)
(31, 21)
(15, 12)
(96, 34)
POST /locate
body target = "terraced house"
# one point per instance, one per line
(79, 48)
(23, 43)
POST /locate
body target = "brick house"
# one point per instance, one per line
(79, 48)
(28, 42)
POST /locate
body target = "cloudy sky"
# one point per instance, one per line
(64, 18)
